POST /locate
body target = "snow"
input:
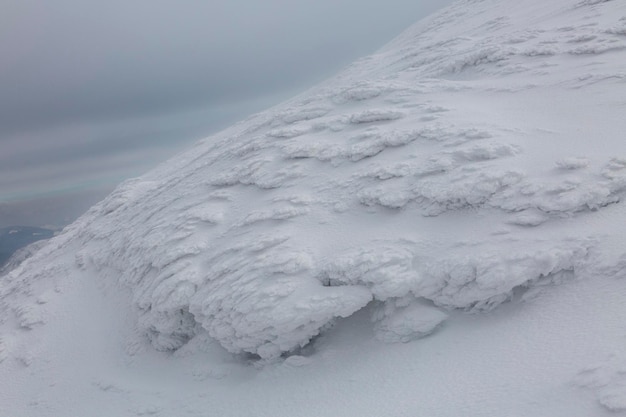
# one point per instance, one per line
(438, 230)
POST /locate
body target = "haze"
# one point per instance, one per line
(92, 93)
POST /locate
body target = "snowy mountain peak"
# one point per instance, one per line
(477, 159)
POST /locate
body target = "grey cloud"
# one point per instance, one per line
(69, 60)
(91, 92)
(84, 154)
(51, 211)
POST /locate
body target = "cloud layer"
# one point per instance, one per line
(91, 93)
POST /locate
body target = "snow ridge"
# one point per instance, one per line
(436, 176)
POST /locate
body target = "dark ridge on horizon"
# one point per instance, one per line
(16, 237)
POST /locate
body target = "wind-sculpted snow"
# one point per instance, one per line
(464, 183)
(427, 178)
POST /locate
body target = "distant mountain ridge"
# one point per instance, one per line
(16, 237)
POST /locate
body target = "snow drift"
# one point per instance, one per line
(397, 178)
(478, 158)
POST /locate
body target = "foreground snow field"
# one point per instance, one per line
(437, 231)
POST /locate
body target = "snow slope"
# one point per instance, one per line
(465, 183)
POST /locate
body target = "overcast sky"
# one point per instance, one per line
(92, 92)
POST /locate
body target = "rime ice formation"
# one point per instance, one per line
(479, 158)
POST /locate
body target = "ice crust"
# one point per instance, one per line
(244, 235)
(424, 180)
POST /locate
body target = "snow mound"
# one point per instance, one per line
(608, 380)
(464, 185)
(406, 319)
(436, 175)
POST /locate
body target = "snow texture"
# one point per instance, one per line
(477, 159)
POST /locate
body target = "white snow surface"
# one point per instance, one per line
(437, 231)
